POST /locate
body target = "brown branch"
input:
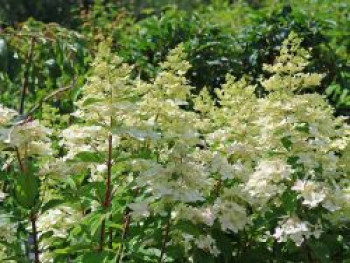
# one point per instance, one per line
(48, 97)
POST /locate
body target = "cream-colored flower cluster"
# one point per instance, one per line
(228, 164)
(282, 145)
(28, 137)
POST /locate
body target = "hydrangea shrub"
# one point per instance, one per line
(147, 172)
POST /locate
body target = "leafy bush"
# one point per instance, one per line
(216, 50)
(14, 11)
(211, 51)
(38, 59)
(136, 177)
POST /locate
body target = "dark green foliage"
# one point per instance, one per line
(216, 50)
(212, 53)
(41, 58)
(15, 11)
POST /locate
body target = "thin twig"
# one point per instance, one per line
(48, 97)
(218, 187)
(21, 166)
(26, 76)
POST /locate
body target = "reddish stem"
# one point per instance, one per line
(109, 173)
(35, 238)
(107, 200)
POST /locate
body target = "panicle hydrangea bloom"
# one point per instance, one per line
(29, 137)
(200, 215)
(288, 68)
(58, 220)
(282, 144)
(265, 182)
(311, 192)
(231, 214)
(6, 115)
(178, 175)
(207, 243)
(296, 230)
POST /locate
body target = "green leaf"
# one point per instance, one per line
(320, 250)
(73, 249)
(188, 227)
(289, 200)
(26, 190)
(90, 101)
(94, 221)
(89, 157)
(96, 257)
(287, 143)
(303, 127)
(200, 256)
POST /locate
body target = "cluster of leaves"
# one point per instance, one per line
(38, 59)
(136, 177)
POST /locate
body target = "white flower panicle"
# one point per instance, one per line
(296, 230)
